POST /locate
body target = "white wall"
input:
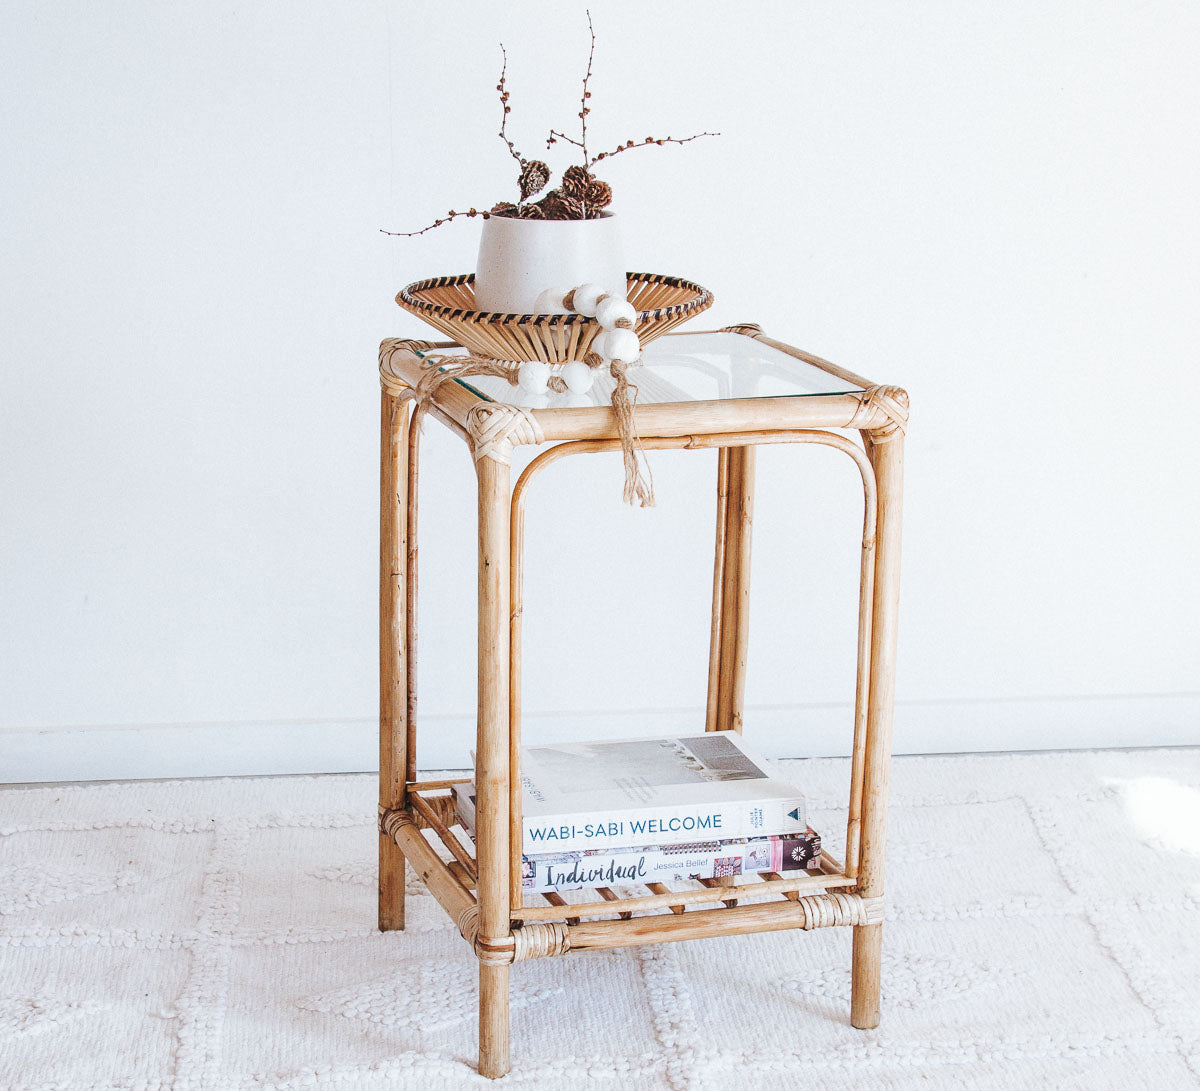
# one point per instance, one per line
(991, 204)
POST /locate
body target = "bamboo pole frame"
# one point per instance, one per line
(393, 648)
(714, 639)
(736, 921)
(493, 761)
(401, 368)
(730, 597)
(451, 894)
(888, 459)
(410, 584)
(733, 564)
(482, 892)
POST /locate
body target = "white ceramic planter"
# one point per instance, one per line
(520, 259)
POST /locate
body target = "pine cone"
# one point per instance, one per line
(534, 176)
(553, 208)
(559, 207)
(598, 194)
(575, 181)
(530, 212)
(504, 208)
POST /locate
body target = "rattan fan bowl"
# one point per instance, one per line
(447, 304)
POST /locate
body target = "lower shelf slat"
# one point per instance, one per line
(679, 900)
(662, 890)
(554, 898)
(729, 903)
(612, 896)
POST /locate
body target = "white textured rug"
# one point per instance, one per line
(1043, 932)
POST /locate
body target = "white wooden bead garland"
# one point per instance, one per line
(616, 345)
(617, 341)
(551, 301)
(578, 376)
(533, 376)
(584, 299)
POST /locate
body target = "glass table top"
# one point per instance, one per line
(687, 367)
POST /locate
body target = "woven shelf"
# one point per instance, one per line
(451, 851)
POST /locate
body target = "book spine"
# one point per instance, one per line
(665, 864)
(464, 804)
(675, 825)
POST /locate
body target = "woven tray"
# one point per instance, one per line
(447, 303)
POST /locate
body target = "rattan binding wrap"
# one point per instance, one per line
(447, 304)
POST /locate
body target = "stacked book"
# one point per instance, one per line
(636, 811)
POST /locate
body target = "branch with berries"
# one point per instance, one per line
(580, 195)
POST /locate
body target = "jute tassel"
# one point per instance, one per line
(638, 487)
(440, 369)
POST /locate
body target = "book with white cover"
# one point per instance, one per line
(621, 792)
(655, 863)
(671, 863)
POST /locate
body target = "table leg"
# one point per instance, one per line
(415, 427)
(393, 653)
(492, 760)
(887, 455)
(731, 588)
(714, 641)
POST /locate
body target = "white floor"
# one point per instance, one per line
(1042, 932)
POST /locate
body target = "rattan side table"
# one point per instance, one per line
(731, 390)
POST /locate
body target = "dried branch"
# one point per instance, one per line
(451, 215)
(649, 140)
(584, 109)
(507, 109)
(556, 136)
(581, 195)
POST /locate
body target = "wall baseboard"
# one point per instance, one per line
(139, 752)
